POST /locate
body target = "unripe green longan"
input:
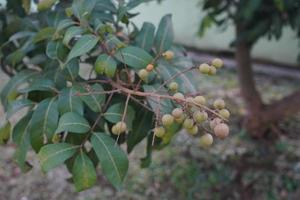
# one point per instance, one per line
(168, 55)
(150, 67)
(180, 119)
(200, 117)
(213, 123)
(159, 132)
(204, 68)
(177, 113)
(224, 113)
(212, 70)
(179, 96)
(200, 100)
(173, 86)
(143, 74)
(193, 130)
(217, 62)
(188, 123)
(219, 104)
(167, 120)
(119, 128)
(114, 130)
(206, 140)
(221, 130)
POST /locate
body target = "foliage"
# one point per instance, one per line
(256, 18)
(81, 120)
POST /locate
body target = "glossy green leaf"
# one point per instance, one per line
(72, 32)
(134, 57)
(63, 24)
(56, 50)
(105, 5)
(40, 85)
(82, 8)
(85, 44)
(44, 34)
(113, 160)
(145, 37)
(115, 112)
(53, 155)
(164, 36)
(69, 101)
(18, 105)
(13, 84)
(105, 64)
(187, 82)
(71, 70)
(21, 137)
(164, 105)
(45, 4)
(91, 96)
(43, 122)
(5, 132)
(142, 124)
(84, 172)
(73, 122)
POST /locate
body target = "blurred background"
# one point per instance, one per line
(262, 164)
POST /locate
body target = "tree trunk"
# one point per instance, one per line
(252, 99)
(259, 117)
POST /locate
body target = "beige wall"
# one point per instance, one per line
(186, 17)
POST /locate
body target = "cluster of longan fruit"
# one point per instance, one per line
(194, 119)
(211, 69)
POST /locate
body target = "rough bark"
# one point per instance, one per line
(259, 117)
(251, 96)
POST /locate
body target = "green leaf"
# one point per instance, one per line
(53, 155)
(71, 70)
(105, 64)
(40, 85)
(164, 105)
(85, 44)
(134, 57)
(71, 33)
(115, 112)
(5, 132)
(146, 161)
(164, 35)
(63, 24)
(18, 105)
(105, 5)
(145, 37)
(69, 101)
(84, 172)
(44, 34)
(13, 84)
(93, 100)
(142, 124)
(187, 82)
(113, 160)
(73, 122)
(21, 136)
(56, 50)
(43, 122)
(83, 8)
(45, 4)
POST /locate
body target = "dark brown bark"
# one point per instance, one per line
(248, 89)
(259, 117)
